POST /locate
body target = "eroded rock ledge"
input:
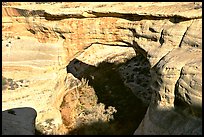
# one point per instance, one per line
(41, 39)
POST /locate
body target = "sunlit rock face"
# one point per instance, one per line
(40, 39)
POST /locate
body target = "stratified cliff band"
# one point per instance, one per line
(47, 46)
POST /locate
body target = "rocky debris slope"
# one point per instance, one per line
(39, 41)
(12, 85)
(136, 76)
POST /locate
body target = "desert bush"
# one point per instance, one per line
(88, 111)
(4, 81)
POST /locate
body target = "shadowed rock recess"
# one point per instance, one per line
(102, 68)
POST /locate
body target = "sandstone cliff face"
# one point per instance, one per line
(41, 39)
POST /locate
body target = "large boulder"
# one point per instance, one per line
(19, 121)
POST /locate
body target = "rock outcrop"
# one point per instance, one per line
(40, 39)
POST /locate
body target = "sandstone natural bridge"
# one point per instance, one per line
(110, 68)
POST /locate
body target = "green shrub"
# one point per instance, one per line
(4, 82)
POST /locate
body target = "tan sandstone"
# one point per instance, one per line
(40, 40)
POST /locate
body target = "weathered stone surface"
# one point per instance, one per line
(39, 41)
(177, 83)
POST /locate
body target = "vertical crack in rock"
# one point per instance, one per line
(161, 39)
(185, 34)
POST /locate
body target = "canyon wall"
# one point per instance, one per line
(39, 40)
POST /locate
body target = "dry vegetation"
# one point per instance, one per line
(102, 106)
(81, 112)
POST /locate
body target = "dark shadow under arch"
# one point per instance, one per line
(110, 90)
